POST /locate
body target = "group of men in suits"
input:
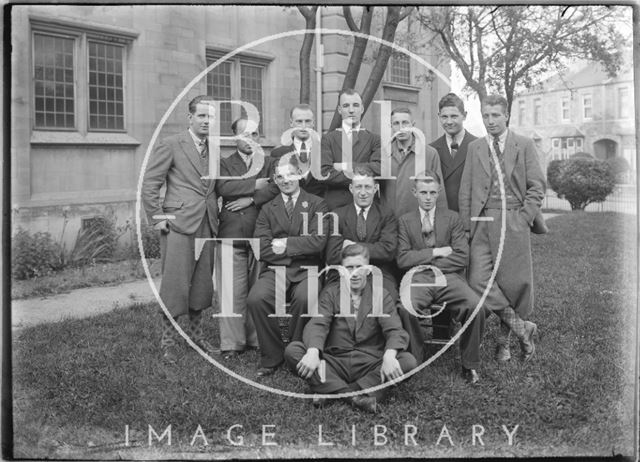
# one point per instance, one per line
(316, 208)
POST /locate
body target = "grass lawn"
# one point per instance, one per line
(77, 383)
(98, 274)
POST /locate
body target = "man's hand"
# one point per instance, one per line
(347, 242)
(239, 204)
(262, 183)
(442, 251)
(309, 363)
(279, 245)
(390, 366)
(162, 226)
(340, 166)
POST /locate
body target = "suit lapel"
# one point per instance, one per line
(190, 150)
(482, 152)
(373, 217)
(296, 220)
(461, 155)
(415, 228)
(238, 166)
(510, 154)
(445, 159)
(365, 306)
(280, 212)
(350, 221)
(440, 227)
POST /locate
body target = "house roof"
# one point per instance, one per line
(583, 75)
(564, 131)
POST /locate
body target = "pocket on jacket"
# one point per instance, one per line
(172, 205)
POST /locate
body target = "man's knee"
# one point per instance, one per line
(407, 361)
(294, 353)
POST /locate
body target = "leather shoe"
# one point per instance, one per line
(365, 403)
(170, 354)
(207, 347)
(470, 375)
(503, 354)
(527, 343)
(230, 354)
(266, 371)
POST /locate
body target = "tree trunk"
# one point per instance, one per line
(309, 14)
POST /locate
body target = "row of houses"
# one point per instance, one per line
(91, 84)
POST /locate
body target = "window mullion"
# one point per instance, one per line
(82, 85)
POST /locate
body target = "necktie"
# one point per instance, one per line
(427, 231)
(496, 146)
(361, 226)
(304, 155)
(289, 206)
(249, 162)
(204, 158)
(454, 148)
(354, 136)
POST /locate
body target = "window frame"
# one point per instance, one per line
(522, 114)
(623, 113)
(236, 61)
(81, 35)
(537, 111)
(586, 96)
(563, 100)
(389, 73)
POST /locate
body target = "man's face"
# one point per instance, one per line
(357, 271)
(245, 133)
(495, 119)
(350, 108)
(286, 178)
(301, 121)
(401, 122)
(199, 120)
(427, 194)
(452, 120)
(363, 188)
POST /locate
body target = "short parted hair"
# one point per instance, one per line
(363, 170)
(427, 176)
(235, 123)
(354, 250)
(347, 91)
(451, 100)
(197, 100)
(304, 106)
(401, 110)
(496, 100)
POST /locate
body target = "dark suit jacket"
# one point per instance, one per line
(176, 162)
(412, 250)
(522, 171)
(273, 223)
(381, 238)
(309, 184)
(452, 167)
(372, 335)
(241, 223)
(366, 151)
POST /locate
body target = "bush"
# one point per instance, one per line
(582, 155)
(619, 167)
(581, 181)
(33, 256)
(97, 241)
(150, 242)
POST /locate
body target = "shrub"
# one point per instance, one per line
(97, 241)
(34, 255)
(619, 167)
(582, 155)
(581, 181)
(150, 241)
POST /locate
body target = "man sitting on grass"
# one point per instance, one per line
(361, 350)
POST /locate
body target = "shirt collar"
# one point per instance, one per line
(411, 148)
(195, 139)
(295, 196)
(457, 139)
(347, 128)
(245, 157)
(366, 210)
(432, 214)
(297, 143)
(501, 138)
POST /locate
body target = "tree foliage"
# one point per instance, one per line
(581, 181)
(504, 48)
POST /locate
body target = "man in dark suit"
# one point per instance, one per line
(288, 229)
(345, 148)
(301, 150)
(359, 350)
(367, 223)
(452, 146)
(241, 201)
(481, 206)
(434, 236)
(189, 211)
(409, 153)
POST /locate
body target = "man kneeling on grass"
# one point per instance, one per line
(360, 350)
